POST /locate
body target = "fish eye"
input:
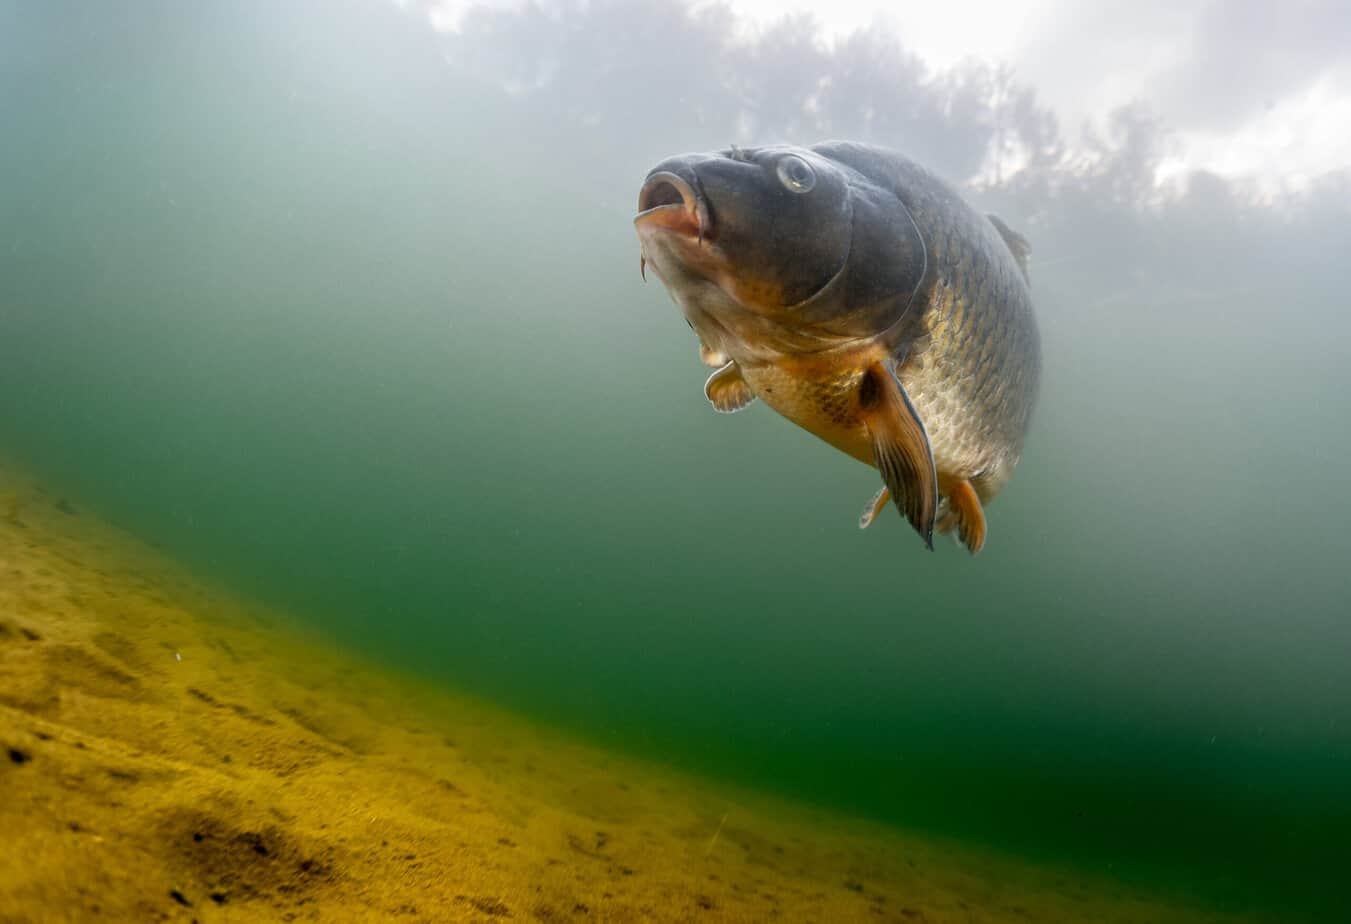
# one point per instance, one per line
(796, 174)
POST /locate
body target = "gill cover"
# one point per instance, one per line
(887, 262)
(827, 250)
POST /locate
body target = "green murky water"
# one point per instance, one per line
(305, 297)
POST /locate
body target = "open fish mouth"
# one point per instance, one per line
(670, 201)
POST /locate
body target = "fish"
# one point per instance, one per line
(860, 296)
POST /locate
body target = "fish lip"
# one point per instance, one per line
(689, 216)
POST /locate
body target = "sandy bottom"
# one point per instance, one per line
(168, 753)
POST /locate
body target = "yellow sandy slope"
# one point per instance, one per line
(169, 754)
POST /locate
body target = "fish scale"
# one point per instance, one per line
(969, 381)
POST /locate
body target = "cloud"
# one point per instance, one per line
(1086, 59)
(1246, 57)
(1239, 83)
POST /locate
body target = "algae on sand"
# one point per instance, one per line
(174, 753)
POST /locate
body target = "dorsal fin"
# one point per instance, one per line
(1018, 245)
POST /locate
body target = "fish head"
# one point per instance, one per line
(777, 249)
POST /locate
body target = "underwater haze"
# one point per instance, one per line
(345, 313)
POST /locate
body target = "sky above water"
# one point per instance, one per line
(1248, 88)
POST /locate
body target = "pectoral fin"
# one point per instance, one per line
(900, 448)
(964, 514)
(727, 391)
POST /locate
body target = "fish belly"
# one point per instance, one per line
(824, 403)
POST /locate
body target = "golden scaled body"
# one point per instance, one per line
(975, 377)
(971, 372)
